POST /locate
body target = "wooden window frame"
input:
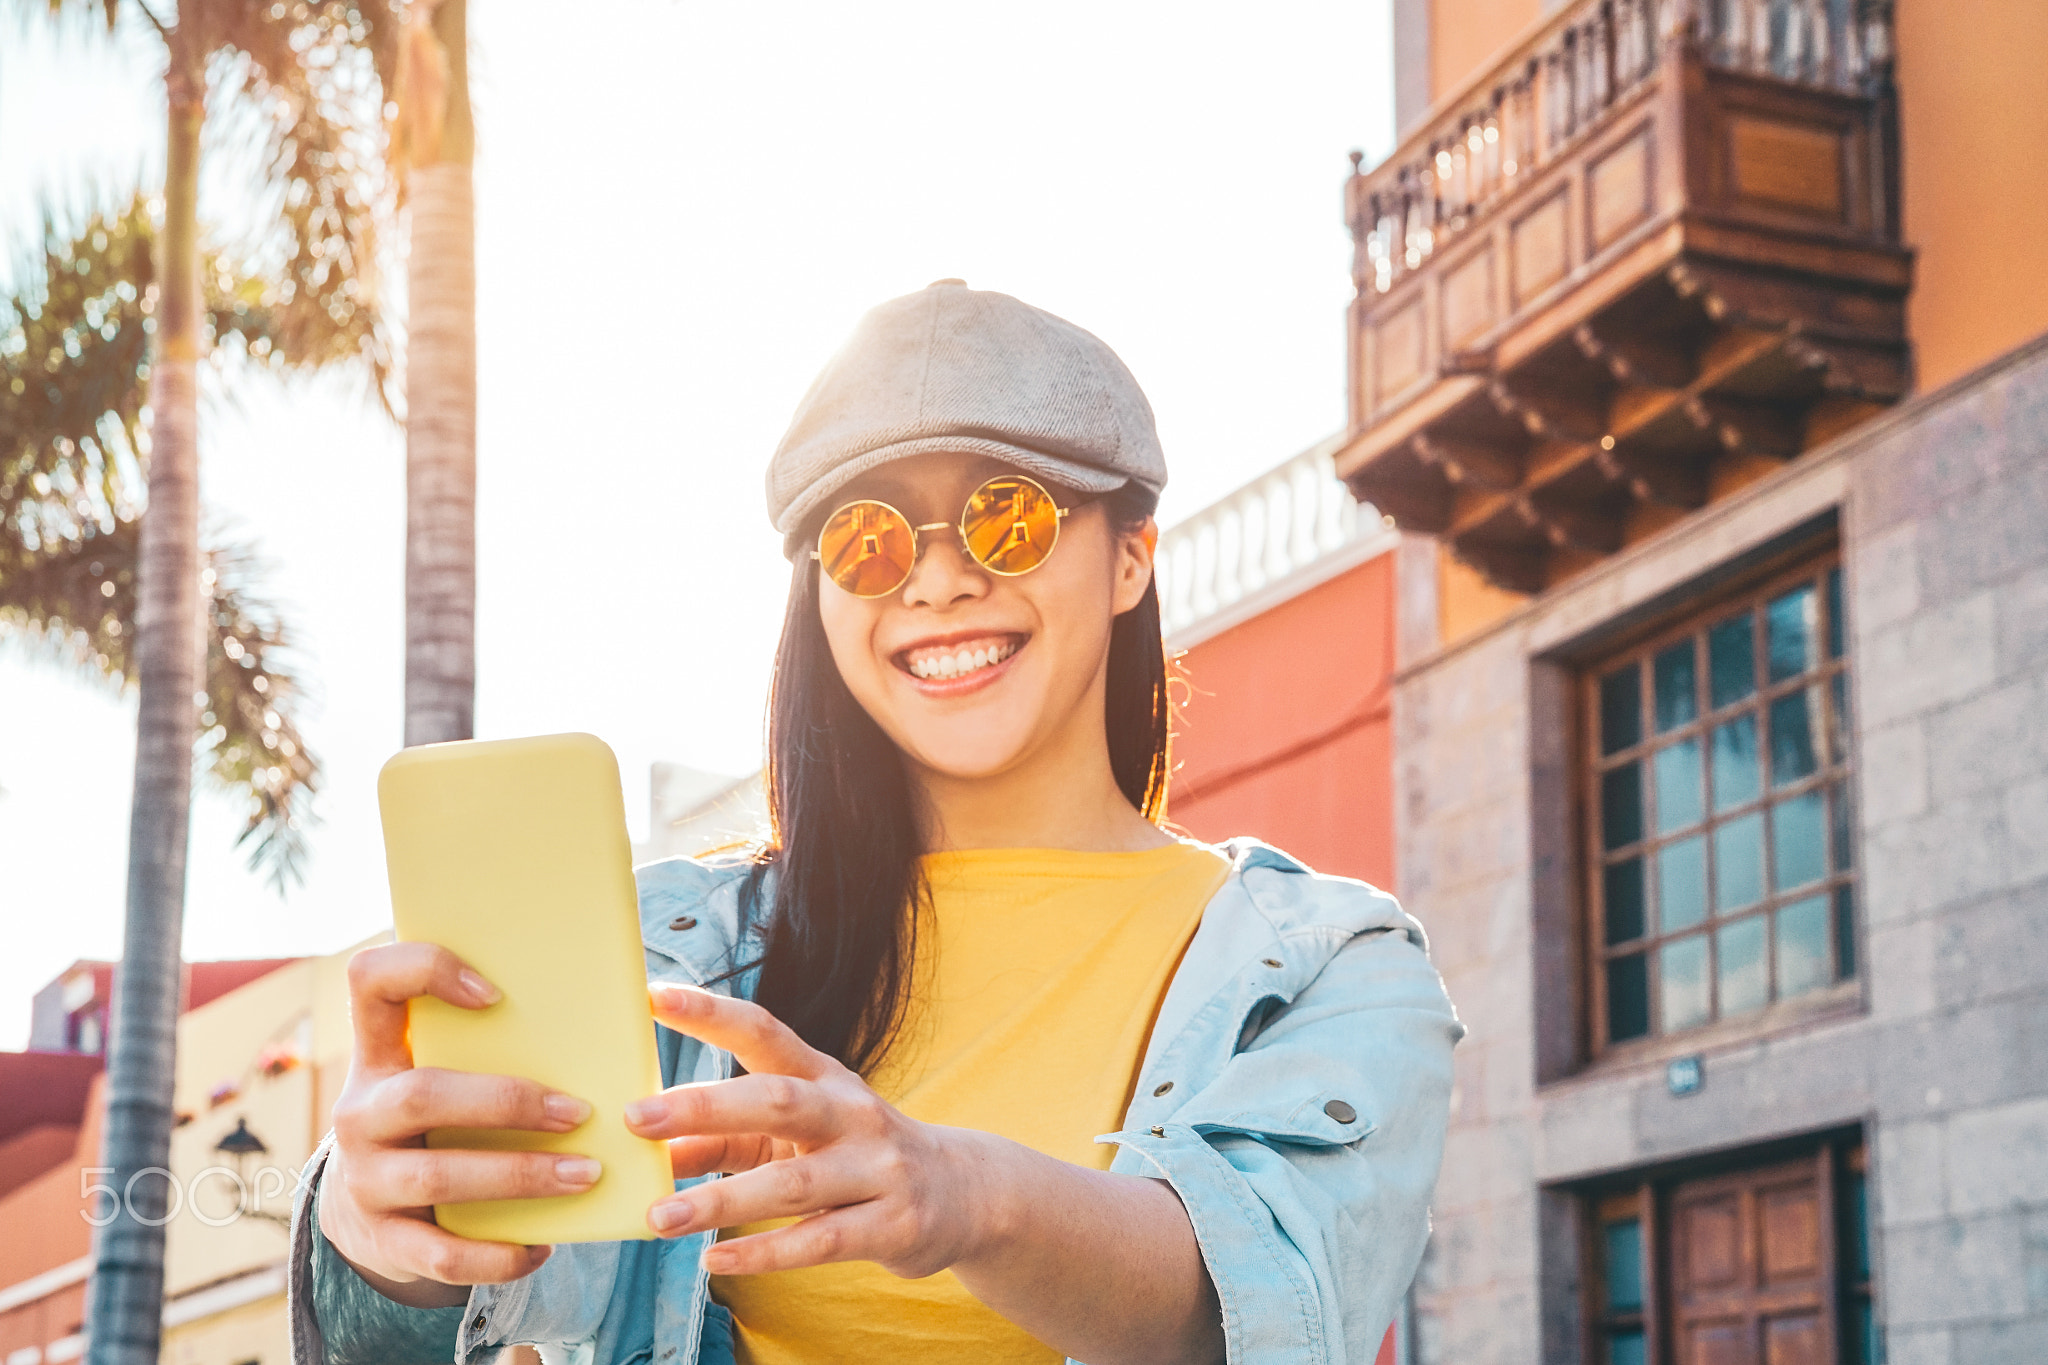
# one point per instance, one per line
(1835, 1161)
(1834, 776)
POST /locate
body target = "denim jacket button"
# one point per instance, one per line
(1161, 1089)
(1274, 962)
(683, 922)
(1158, 1130)
(1341, 1111)
(478, 1325)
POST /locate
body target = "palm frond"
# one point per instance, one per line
(74, 378)
(304, 86)
(76, 600)
(251, 741)
(74, 372)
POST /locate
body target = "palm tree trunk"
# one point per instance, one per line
(125, 1310)
(440, 428)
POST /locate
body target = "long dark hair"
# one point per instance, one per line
(838, 919)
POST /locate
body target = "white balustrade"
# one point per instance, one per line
(1279, 529)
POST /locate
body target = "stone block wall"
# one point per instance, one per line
(1941, 1057)
(1947, 525)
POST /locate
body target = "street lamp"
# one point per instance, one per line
(239, 1146)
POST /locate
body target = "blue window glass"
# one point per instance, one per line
(1731, 660)
(1859, 1226)
(1739, 862)
(1624, 1246)
(1742, 965)
(1799, 841)
(1621, 710)
(1835, 612)
(1621, 805)
(1793, 752)
(1737, 774)
(1677, 686)
(1841, 825)
(1627, 915)
(1803, 946)
(1838, 715)
(1682, 983)
(1790, 643)
(1845, 932)
(1681, 884)
(1680, 802)
(1628, 997)
(1625, 1347)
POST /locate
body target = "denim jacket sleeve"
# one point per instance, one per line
(1307, 1158)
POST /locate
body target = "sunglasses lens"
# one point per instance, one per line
(867, 548)
(1011, 525)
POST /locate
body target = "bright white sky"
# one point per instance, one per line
(682, 209)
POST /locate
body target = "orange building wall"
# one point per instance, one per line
(46, 1227)
(1287, 734)
(1973, 120)
(1465, 35)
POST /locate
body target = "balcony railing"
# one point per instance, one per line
(1520, 116)
(1281, 532)
(1646, 256)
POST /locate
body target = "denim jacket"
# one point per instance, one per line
(1294, 1094)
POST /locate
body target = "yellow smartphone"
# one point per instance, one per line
(513, 854)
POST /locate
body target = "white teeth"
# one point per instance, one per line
(966, 661)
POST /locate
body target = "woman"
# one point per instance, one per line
(1034, 1078)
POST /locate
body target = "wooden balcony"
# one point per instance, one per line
(1648, 257)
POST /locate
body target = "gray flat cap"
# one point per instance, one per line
(956, 369)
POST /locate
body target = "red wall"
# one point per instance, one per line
(1286, 731)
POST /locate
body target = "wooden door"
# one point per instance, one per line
(1752, 1269)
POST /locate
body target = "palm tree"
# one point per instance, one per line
(74, 375)
(302, 82)
(435, 146)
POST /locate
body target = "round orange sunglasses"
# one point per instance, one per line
(1009, 526)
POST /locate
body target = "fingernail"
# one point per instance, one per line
(640, 1113)
(671, 1214)
(578, 1170)
(566, 1109)
(481, 989)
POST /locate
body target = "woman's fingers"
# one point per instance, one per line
(859, 1233)
(780, 1189)
(690, 1157)
(380, 982)
(408, 1103)
(416, 1177)
(777, 1106)
(420, 1248)
(762, 1043)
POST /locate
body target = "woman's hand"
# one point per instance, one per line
(381, 1183)
(802, 1135)
(1099, 1266)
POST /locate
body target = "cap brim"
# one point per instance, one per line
(796, 518)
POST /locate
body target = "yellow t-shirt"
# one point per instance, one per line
(1038, 974)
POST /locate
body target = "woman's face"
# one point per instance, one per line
(972, 673)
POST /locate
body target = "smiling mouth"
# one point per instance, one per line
(939, 663)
